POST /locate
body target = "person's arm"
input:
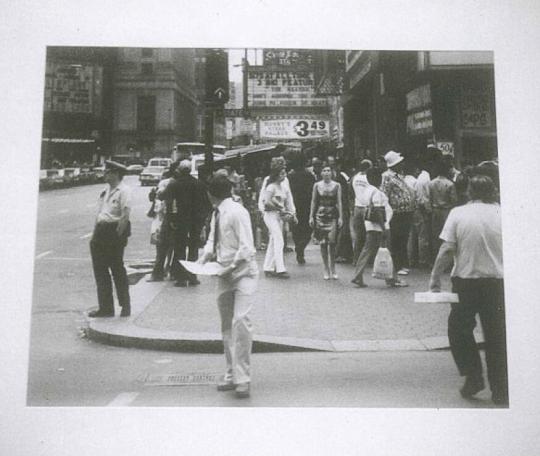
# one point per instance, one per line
(442, 263)
(208, 249)
(242, 228)
(125, 200)
(452, 197)
(313, 205)
(289, 200)
(339, 206)
(260, 201)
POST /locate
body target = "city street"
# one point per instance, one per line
(67, 369)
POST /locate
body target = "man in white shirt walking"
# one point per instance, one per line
(472, 238)
(230, 243)
(360, 192)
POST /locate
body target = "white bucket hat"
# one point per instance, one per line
(392, 158)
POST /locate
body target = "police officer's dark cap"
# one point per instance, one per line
(115, 166)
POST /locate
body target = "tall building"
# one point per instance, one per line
(156, 100)
(77, 114)
(405, 100)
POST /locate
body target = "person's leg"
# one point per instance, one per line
(269, 260)
(406, 222)
(412, 243)
(226, 311)
(461, 324)
(373, 240)
(359, 229)
(120, 278)
(395, 227)
(492, 316)
(324, 256)
(275, 226)
(424, 238)
(100, 264)
(194, 236)
(242, 332)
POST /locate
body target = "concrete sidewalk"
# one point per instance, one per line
(305, 313)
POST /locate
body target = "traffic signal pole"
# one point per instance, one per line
(209, 138)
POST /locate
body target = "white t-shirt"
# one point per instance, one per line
(378, 198)
(360, 186)
(475, 228)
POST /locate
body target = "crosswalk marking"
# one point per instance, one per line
(123, 399)
(41, 255)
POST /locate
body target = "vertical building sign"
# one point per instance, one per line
(476, 107)
(419, 115)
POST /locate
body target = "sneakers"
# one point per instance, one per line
(225, 385)
(359, 283)
(126, 312)
(403, 271)
(396, 283)
(100, 314)
(472, 385)
(282, 275)
(242, 390)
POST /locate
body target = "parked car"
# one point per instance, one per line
(135, 169)
(159, 161)
(151, 175)
(99, 172)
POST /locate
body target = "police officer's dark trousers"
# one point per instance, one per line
(107, 249)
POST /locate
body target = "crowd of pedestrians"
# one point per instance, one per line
(428, 213)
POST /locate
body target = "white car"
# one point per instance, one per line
(151, 175)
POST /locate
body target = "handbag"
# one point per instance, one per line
(375, 214)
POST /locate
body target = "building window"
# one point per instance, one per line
(147, 52)
(146, 113)
(147, 68)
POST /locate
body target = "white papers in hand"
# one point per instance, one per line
(211, 268)
(442, 297)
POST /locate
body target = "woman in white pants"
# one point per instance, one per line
(278, 205)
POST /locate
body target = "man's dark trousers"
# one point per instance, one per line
(186, 246)
(400, 226)
(485, 297)
(107, 250)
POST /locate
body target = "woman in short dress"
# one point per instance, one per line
(326, 217)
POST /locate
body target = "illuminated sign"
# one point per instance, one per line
(287, 57)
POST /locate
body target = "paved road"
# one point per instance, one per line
(63, 278)
(67, 369)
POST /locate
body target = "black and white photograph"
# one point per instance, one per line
(347, 199)
(262, 226)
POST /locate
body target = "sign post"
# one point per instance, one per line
(217, 94)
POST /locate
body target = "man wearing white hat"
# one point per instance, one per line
(402, 200)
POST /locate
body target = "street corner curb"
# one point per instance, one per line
(121, 333)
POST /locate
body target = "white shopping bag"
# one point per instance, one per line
(383, 267)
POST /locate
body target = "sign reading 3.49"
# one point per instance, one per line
(295, 128)
(305, 128)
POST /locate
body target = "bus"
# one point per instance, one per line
(186, 150)
(194, 151)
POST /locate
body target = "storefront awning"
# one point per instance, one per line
(243, 151)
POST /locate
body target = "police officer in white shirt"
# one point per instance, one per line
(111, 230)
(230, 243)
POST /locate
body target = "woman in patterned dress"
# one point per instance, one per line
(326, 217)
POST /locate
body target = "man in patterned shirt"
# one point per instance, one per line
(402, 200)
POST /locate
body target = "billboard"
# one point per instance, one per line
(295, 128)
(282, 88)
(73, 88)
